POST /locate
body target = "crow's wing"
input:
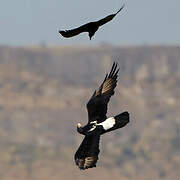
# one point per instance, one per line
(87, 154)
(108, 18)
(97, 105)
(76, 31)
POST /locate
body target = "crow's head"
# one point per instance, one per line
(93, 30)
(91, 34)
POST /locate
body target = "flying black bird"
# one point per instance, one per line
(90, 27)
(98, 123)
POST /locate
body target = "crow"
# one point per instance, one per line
(87, 154)
(90, 27)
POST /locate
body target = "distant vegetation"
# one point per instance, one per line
(43, 93)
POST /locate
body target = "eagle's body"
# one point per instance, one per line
(90, 27)
(98, 124)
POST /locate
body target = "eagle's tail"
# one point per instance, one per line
(121, 120)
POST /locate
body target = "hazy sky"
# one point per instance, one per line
(29, 22)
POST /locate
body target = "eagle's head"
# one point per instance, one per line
(79, 128)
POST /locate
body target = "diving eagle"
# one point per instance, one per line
(90, 27)
(98, 123)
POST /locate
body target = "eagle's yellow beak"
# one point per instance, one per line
(78, 125)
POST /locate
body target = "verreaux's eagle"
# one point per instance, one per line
(98, 123)
(90, 27)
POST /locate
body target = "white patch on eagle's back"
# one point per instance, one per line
(93, 122)
(108, 123)
(94, 127)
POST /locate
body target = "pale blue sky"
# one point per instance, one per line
(31, 22)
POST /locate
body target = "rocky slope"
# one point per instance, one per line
(43, 93)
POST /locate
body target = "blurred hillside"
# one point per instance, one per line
(43, 93)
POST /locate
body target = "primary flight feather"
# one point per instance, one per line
(87, 154)
(90, 27)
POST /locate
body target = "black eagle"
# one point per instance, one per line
(90, 27)
(98, 123)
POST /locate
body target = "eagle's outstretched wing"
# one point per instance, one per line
(97, 105)
(87, 154)
(76, 31)
(108, 18)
